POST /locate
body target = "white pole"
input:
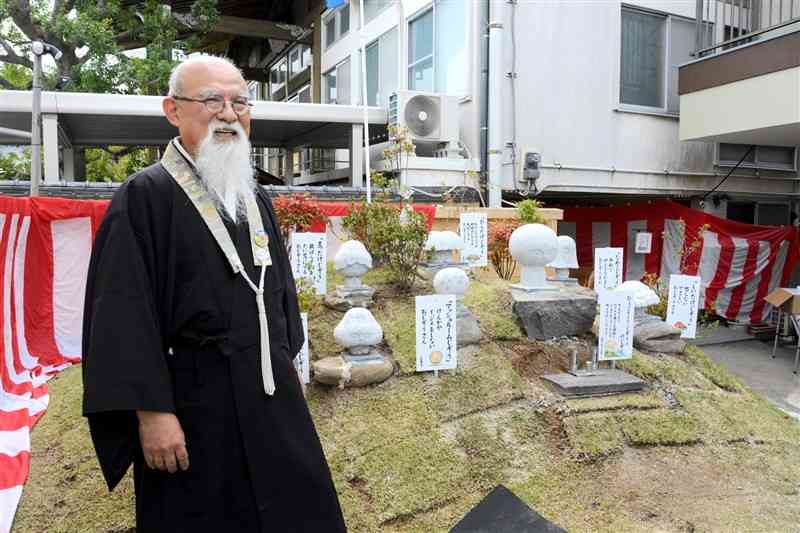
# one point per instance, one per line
(496, 76)
(364, 100)
(36, 129)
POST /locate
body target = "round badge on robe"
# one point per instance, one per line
(260, 238)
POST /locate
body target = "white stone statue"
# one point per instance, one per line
(362, 363)
(352, 261)
(358, 332)
(455, 281)
(566, 258)
(443, 244)
(643, 296)
(533, 246)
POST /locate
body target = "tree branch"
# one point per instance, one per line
(12, 56)
(20, 11)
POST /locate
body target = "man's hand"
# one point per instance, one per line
(162, 439)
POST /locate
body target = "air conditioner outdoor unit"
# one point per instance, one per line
(429, 117)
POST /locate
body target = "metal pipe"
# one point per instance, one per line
(36, 126)
(698, 10)
(496, 77)
(665, 172)
(484, 133)
(364, 102)
(11, 132)
(713, 28)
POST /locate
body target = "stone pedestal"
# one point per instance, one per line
(657, 336)
(353, 371)
(344, 298)
(547, 314)
(468, 330)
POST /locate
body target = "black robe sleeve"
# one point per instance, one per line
(294, 325)
(124, 359)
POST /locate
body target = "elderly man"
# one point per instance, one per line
(190, 329)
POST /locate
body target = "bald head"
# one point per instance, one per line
(194, 83)
(200, 65)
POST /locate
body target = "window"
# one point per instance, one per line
(652, 47)
(299, 60)
(372, 8)
(760, 157)
(337, 24)
(437, 49)
(337, 84)
(277, 75)
(420, 52)
(330, 86)
(382, 69)
(330, 31)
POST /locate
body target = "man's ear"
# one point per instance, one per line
(170, 107)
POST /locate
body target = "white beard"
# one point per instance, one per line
(224, 167)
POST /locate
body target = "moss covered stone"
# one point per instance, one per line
(646, 400)
(716, 374)
(491, 302)
(665, 368)
(660, 427)
(593, 436)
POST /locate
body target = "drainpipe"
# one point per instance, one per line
(483, 9)
(495, 148)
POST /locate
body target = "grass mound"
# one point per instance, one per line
(416, 453)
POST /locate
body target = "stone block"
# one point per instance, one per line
(600, 382)
(547, 314)
(353, 371)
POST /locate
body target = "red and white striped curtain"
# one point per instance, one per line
(738, 263)
(45, 245)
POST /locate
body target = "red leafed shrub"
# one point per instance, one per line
(504, 264)
(297, 212)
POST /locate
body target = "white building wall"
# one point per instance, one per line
(567, 103)
(567, 108)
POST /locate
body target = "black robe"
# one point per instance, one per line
(168, 327)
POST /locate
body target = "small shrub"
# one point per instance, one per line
(528, 211)
(499, 254)
(395, 238)
(297, 212)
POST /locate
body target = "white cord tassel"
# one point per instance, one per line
(266, 357)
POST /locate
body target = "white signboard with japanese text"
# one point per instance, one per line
(436, 332)
(474, 231)
(615, 332)
(310, 260)
(684, 298)
(608, 268)
(302, 362)
(644, 242)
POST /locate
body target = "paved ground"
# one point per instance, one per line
(751, 361)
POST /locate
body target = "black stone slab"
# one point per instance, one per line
(502, 512)
(603, 382)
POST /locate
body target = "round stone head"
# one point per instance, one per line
(451, 281)
(352, 259)
(358, 328)
(444, 241)
(567, 256)
(533, 245)
(643, 295)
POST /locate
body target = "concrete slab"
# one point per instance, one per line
(751, 362)
(603, 382)
(719, 335)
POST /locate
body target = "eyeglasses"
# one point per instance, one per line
(216, 104)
